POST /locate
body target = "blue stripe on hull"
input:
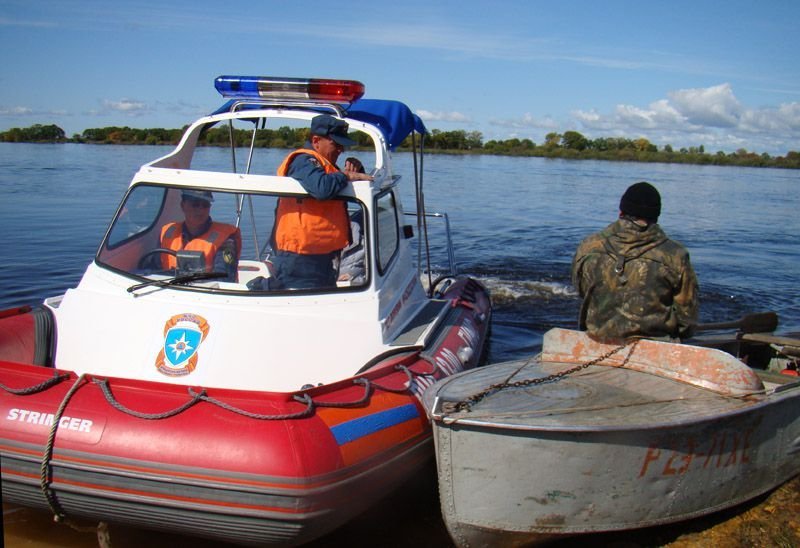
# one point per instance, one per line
(364, 426)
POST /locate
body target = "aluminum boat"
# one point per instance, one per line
(598, 436)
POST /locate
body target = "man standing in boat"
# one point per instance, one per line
(634, 280)
(310, 232)
(220, 243)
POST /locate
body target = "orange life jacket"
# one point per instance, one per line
(309, 226)
(208, 242)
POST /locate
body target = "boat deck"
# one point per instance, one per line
(598, 398)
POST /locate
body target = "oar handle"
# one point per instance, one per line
(788, 345)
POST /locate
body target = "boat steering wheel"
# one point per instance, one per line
(157, 251)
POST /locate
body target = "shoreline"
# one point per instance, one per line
(790, 161)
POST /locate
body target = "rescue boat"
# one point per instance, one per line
(183, 400)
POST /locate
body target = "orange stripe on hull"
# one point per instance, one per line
(368, 446)
(387, 422)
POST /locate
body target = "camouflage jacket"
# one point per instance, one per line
(634, 281)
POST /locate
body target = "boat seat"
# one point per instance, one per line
(249, 270)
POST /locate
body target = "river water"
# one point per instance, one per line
(516, 223)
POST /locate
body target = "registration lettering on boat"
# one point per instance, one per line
(722, 449)
(183, 335)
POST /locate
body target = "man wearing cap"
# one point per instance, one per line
(634, 281)
(220, 243)
(310, 231)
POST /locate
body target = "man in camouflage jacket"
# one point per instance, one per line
(634, 281)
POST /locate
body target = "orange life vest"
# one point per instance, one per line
(309, 226)
(208, 242)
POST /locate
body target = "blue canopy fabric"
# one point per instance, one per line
(393, 118)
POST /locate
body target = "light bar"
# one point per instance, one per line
(293, 89)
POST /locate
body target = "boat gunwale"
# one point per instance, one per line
(473, 419)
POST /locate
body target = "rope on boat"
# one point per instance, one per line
(304, 398)
(46, 471)
(409, 374)
(196, 397)
(300, 414)
(466, 404)
(104, 386)
(364, 399)
(52, 381)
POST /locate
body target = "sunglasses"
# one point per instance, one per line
(329, 138)
(197, 204)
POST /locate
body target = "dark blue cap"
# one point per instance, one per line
(325, 125)
(204, 195)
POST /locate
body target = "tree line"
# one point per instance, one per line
(569, 145)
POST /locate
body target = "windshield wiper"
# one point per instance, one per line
(178, 280)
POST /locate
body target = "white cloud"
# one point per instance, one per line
(20, 111)
(715, 106)
(127, 106)
(429, 116)
(712, 117)
(527, 121)
(16, 111)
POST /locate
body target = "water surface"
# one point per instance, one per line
(516, 223)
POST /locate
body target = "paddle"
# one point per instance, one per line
(789, 345)
(758, 322)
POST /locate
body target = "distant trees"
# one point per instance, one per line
(574, 140)
(574, 145)
(129, 136)
(551, 140)
(570, 144)
(454, 140)
(35, 134)
(283, 137)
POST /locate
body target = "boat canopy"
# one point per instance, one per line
(394, 119)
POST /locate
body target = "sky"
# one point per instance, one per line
(719, 74)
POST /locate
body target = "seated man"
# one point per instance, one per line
(351, 264)
(220, 243)
(634, 280)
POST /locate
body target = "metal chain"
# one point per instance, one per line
(466, 405)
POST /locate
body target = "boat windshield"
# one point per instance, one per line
(217, 240)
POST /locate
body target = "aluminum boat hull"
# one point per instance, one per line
(606, 448)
